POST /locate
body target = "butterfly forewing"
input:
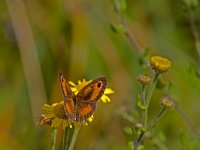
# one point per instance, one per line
(93, 91)
(67, 92)
(68, 97)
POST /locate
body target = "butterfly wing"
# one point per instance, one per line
(87, 98)
(69, 97)
(84, 111)
(93, 91)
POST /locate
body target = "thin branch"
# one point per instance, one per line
(143, 94)
(150, 92)
(159, 115)
(129, 36)
(149, 126)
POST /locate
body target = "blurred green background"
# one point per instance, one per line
(85, 39)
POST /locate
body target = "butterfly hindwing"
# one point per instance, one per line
(84, 111)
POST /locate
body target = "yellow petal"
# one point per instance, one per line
(91, 118)
(47, 108)
(108, 91)
(72, 83)
(48, 116)
(54, 104)
(105, 99)
(79, 82)
(86, 124)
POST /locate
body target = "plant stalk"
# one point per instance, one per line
(143, 93)
(150, 125)
(153, 84)
(65, 142)
(53, 138)
(74, 137)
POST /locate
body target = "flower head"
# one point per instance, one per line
(55, 114)
(144, 79)
(160, 64)
(167, 102)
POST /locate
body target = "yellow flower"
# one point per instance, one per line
(55, 114)
(160, 64)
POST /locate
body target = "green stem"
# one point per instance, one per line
(143, 93)
(153, 84)
(153, 122)
(149, 126)
(74, 137)
(65, 139)
(53, 138)
(138, 140)
(130, 37)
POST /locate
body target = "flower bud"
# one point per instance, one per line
(138, 125)
(167, 102)
(160, 64)
(144, 79)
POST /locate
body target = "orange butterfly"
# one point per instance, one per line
(81, 106)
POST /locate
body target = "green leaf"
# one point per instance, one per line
(144, 58)
(140, 105)
(130, 145)
(122, 5)
(118, 29)
(128, 130)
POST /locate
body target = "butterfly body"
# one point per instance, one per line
(79, 107)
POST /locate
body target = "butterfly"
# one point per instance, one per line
(79, 107)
